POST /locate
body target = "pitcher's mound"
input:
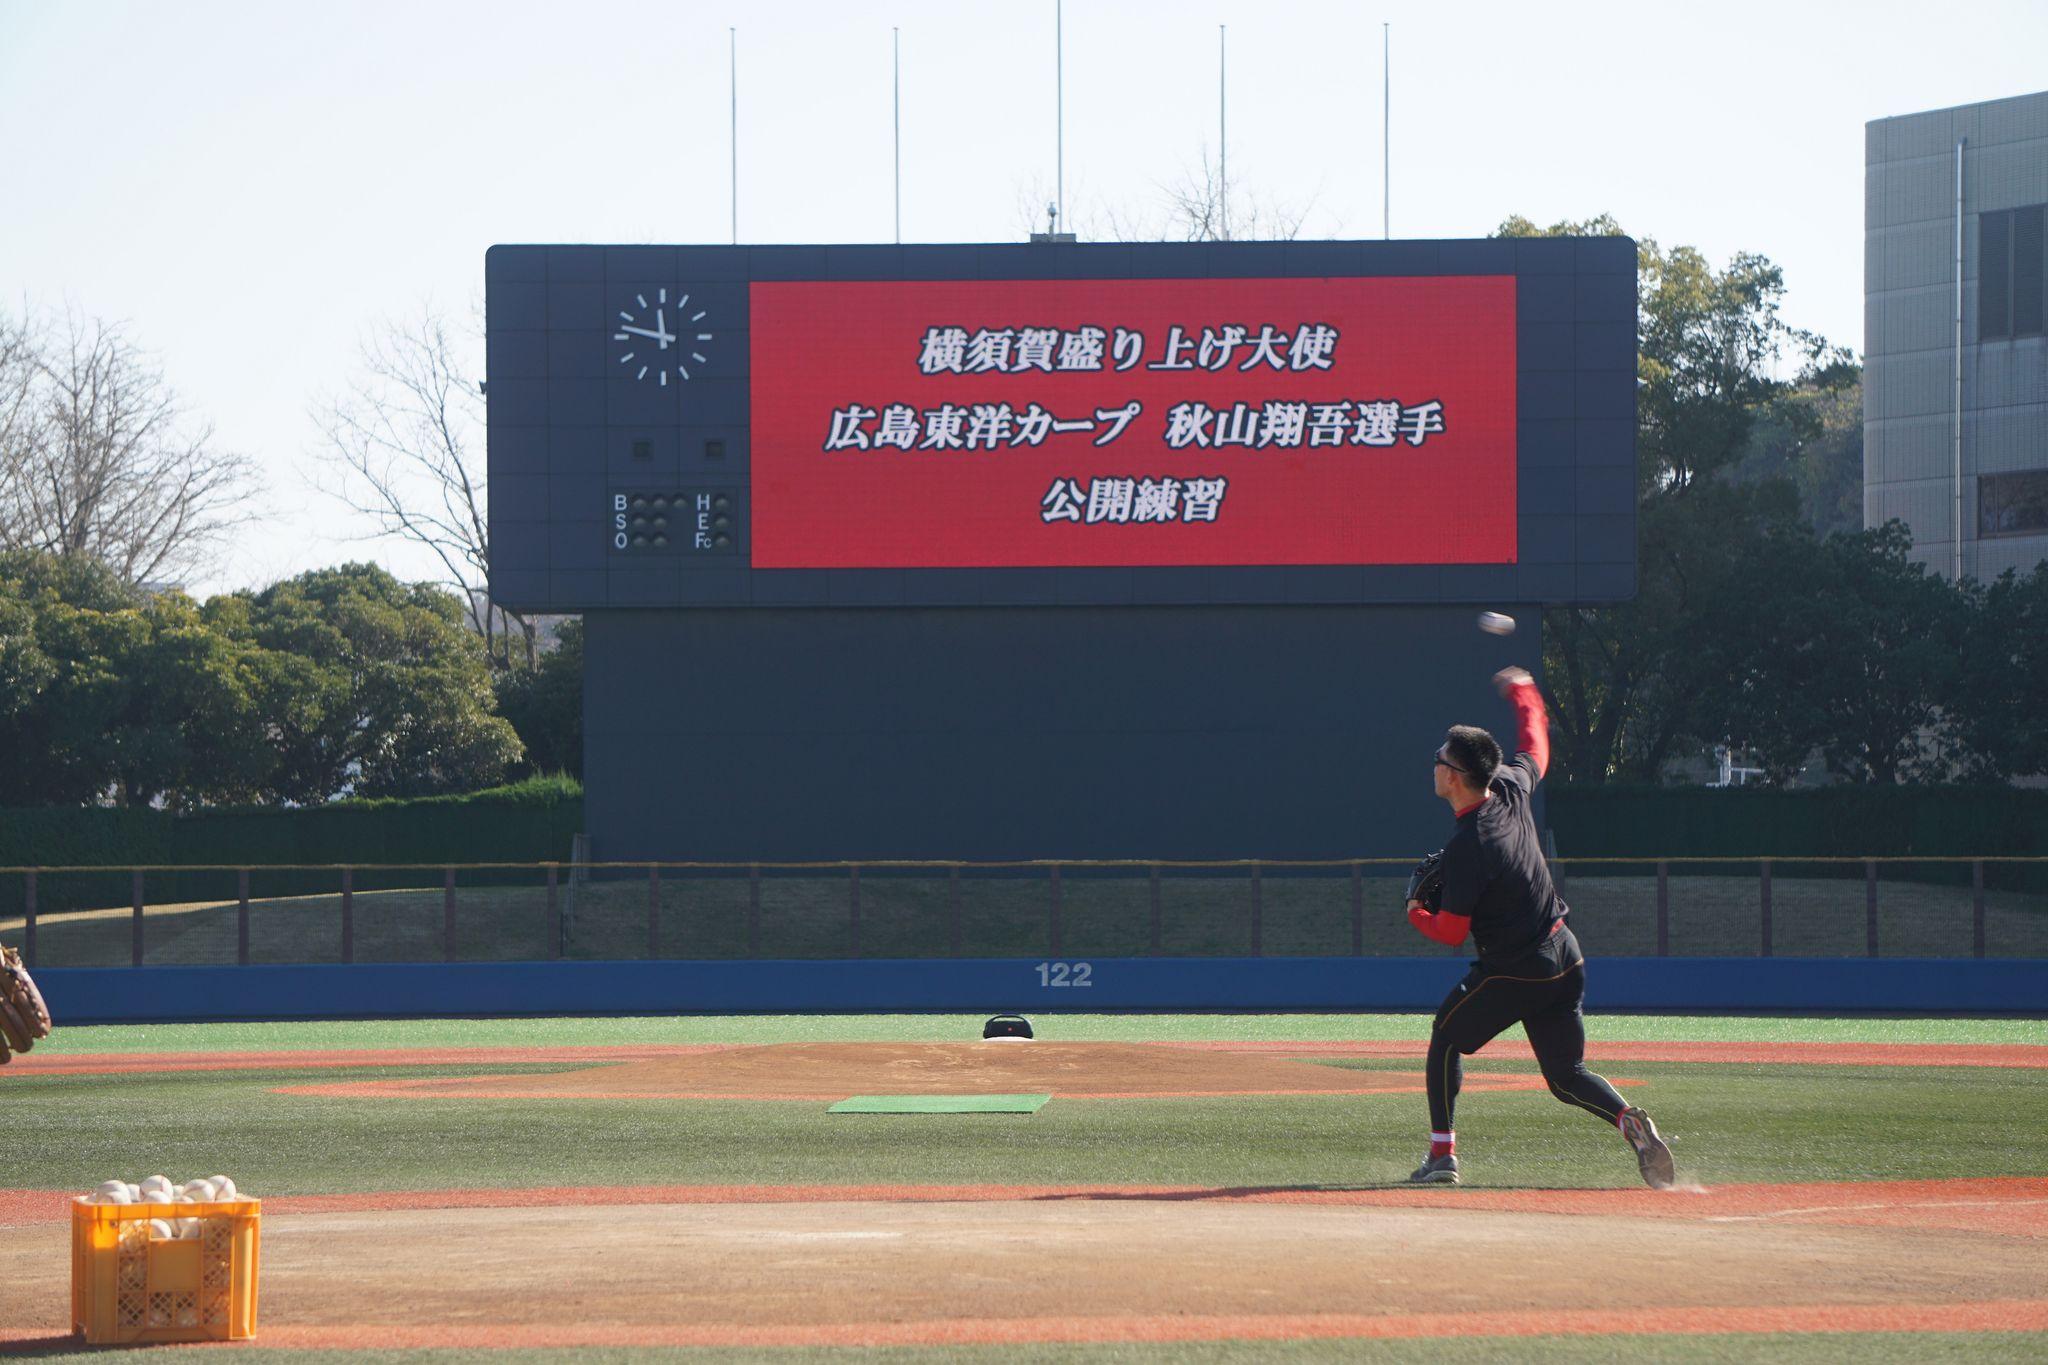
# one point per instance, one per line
(793, 1071)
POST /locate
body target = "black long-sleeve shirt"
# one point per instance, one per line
(1497, 885)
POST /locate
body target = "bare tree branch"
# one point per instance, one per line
(97, 456)
(405, 441)
(1189, 209)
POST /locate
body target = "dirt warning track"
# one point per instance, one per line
(830, 1071)
(46, 1063)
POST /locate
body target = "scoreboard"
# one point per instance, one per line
(1329, 422)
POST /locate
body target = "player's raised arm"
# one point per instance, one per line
(1532, 726)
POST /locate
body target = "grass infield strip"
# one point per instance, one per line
(941, 1104)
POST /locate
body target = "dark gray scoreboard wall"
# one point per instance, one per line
(1075, 732)
(734, 711)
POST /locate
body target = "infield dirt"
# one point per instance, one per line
(824, 1266)
(830, 1071)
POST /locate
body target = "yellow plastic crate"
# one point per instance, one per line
(127, 1286)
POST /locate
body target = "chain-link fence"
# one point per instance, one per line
(151, 916)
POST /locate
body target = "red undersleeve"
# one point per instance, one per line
(1441, 925)
(1535, 727)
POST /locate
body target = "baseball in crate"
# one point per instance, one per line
(162, 1262)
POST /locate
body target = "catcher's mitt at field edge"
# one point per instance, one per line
(1426, 882)
(23, 1015)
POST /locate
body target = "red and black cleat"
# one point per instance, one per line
(1652, 1156)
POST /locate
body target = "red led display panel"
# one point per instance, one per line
(1059, 423)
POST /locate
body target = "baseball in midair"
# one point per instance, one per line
(1494, 623)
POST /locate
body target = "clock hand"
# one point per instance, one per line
(663, 337)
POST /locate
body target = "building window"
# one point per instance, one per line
(2013, 504)
(2012, 250)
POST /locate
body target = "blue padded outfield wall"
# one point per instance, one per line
(79, 995)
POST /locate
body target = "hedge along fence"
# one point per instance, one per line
(531, 822)
(1676, 823)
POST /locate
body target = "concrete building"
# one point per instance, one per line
(1955, 397)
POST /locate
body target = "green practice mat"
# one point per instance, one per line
(940, 1104)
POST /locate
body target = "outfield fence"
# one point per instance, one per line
(222, 915)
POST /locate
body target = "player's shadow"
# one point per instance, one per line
(1265, 1191)
(1226, 1192)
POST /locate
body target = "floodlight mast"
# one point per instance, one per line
(733, 43)
(1059, 114)
(896, 114)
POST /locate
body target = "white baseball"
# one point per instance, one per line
(199, 1191)
(156, 1190)
(188, 1229)
(1494, 623)
(161, 1229)
(112, 1192)
(223, 1188)
(134, 1193)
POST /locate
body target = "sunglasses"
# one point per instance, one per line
(1443, 762)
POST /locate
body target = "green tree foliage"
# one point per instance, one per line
(381, 689)
(111, 693)
(339, 682)
(2001, 709)
(1842, 645)
(1749, 628)
(1812, 437)
(544, 704)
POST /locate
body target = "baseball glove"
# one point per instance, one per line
(23, 1015)
(1426, 882)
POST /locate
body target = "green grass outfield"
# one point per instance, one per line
(1728, 1124)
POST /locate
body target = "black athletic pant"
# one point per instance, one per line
(1543, 993)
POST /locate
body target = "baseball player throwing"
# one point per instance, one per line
(1497, 889)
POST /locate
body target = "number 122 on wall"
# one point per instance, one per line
(1062, 974)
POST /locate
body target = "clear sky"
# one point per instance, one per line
(250, 184)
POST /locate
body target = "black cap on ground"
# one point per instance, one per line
(1007, 1026)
